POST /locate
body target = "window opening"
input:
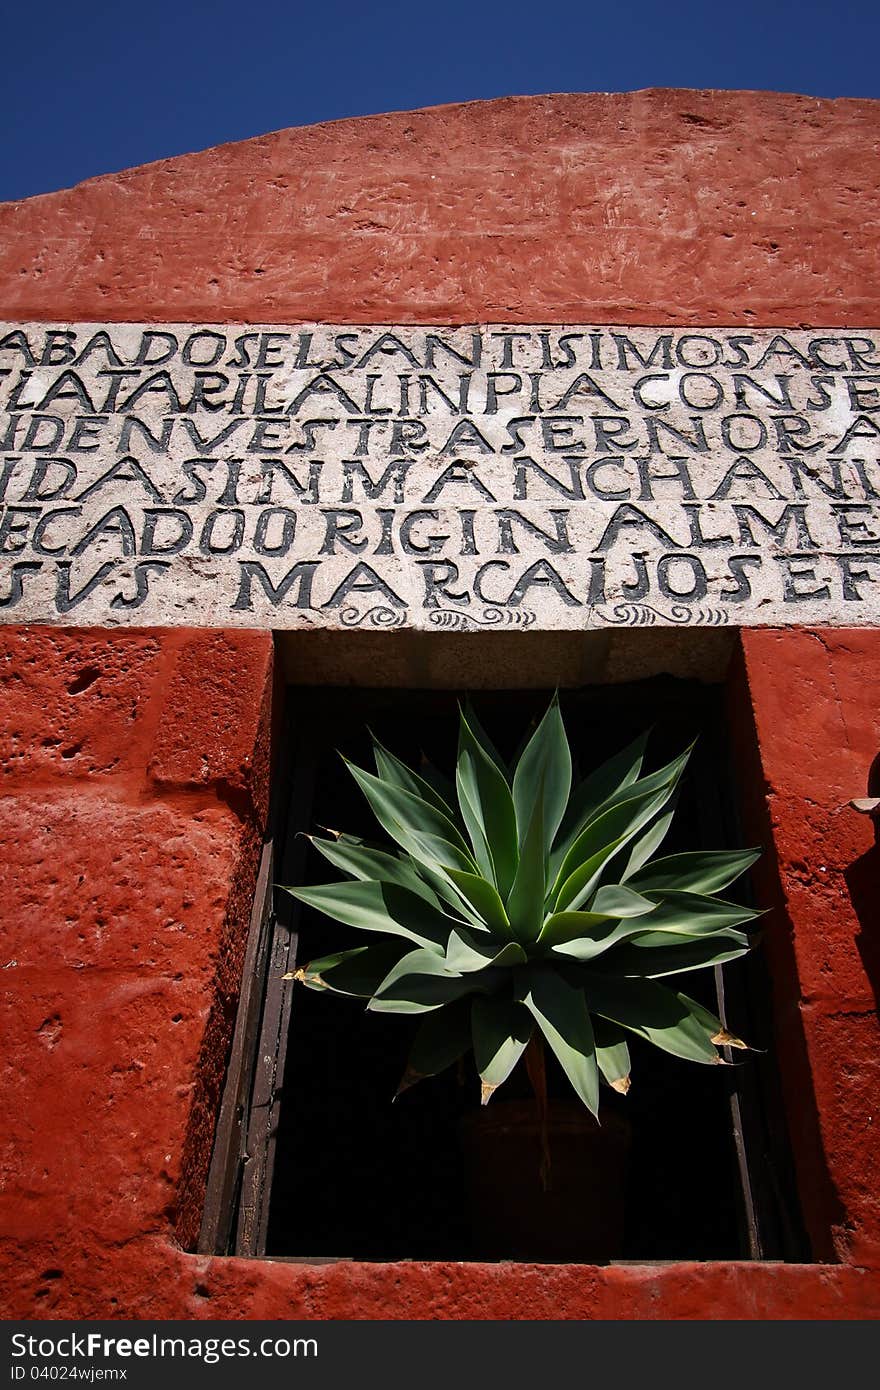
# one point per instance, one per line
(321, 1165)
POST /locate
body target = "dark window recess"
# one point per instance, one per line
(312, 1159)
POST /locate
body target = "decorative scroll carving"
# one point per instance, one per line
(490, 617)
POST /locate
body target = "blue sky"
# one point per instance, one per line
(91, 87)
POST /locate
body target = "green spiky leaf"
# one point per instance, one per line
(693, 914)
(373, 864)
(379, 907)
(543, 774)
(648, 843)
(610, 905)
(466, 952)
(560, 1011)
(421, 981)
(501, 1030)
(417, 825)
(483, 898)
(612, 1054)
(608, 781)
(613, 827)
(483, 738)
(357, 972)
(442, 1037)
(665, 1018)
(655, 954)
(487, 807)
(706, 871)
(525, 905)
(395, 773)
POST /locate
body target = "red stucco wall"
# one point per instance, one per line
(807, 730)
(137, 764)
(647, 207)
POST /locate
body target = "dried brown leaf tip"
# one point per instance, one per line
(622, 1084)
(486, 1093)
(302, 976)
(333, 834)
(724, 1039)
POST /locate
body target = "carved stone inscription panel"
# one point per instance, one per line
(436, 478)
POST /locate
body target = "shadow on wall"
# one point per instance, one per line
(863, 882)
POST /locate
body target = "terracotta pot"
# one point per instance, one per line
(579, 1217)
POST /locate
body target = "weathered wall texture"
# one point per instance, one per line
(133, 802)
(647, 207)
(807, 733)
(136, 764)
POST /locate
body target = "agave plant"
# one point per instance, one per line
(513, 904)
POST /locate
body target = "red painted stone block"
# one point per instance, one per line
(212, 1288)
(75, 704)
(816, 692)
(213, 730)
(117, 886)
(828, 938)
(103, 1064)
(844, 1047)
(124, 905)
(149, 1279)
(813, 731)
